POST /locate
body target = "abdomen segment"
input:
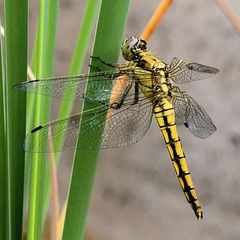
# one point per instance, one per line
(165, 117)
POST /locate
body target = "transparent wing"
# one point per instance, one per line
(73, 87)
(191, 114)
(181, 71)
(102, 86)
(124, 126)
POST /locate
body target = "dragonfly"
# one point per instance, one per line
(141, 87)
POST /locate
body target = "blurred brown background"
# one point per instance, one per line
(136, 193)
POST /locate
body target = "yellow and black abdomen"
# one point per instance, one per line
(164, 114)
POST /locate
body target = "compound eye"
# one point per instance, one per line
(143, 45)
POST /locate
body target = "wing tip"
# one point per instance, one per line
(203, 68)
(214, 70)
(205, 135)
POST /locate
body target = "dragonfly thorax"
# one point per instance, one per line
(161, 91)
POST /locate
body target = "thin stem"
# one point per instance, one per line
(156, 19)
(31, 75)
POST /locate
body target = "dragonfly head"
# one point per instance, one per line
(131, 47)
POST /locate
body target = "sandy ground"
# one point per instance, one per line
(136, 193)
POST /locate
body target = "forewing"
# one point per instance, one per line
(192, 115)
(182, 71)
(124, 126)
(73, 87)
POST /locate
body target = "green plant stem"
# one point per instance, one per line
(43, 60)
(108, 39)
(48, 72)
(3, 157)
(80, 52)
(38, 166)
(15, 11)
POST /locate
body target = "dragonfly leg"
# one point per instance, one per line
(104, 62)
(94, 67)
(136, 93)
(118, 104)
(112, 65)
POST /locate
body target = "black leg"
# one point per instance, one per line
(119, 103)
(112, 65)
(96, 68)
(104, 62)
(136, 93)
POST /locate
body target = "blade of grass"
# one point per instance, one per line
(48, 72)
(16, 71)
(54, 211)
(31, 97)
(44, 62)
(27, 166)
(84, 37)
(75, 68)
(3, 156)
(38, 167)
(83, 41)
(108, 39)
(80, 50)
(29, 120)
